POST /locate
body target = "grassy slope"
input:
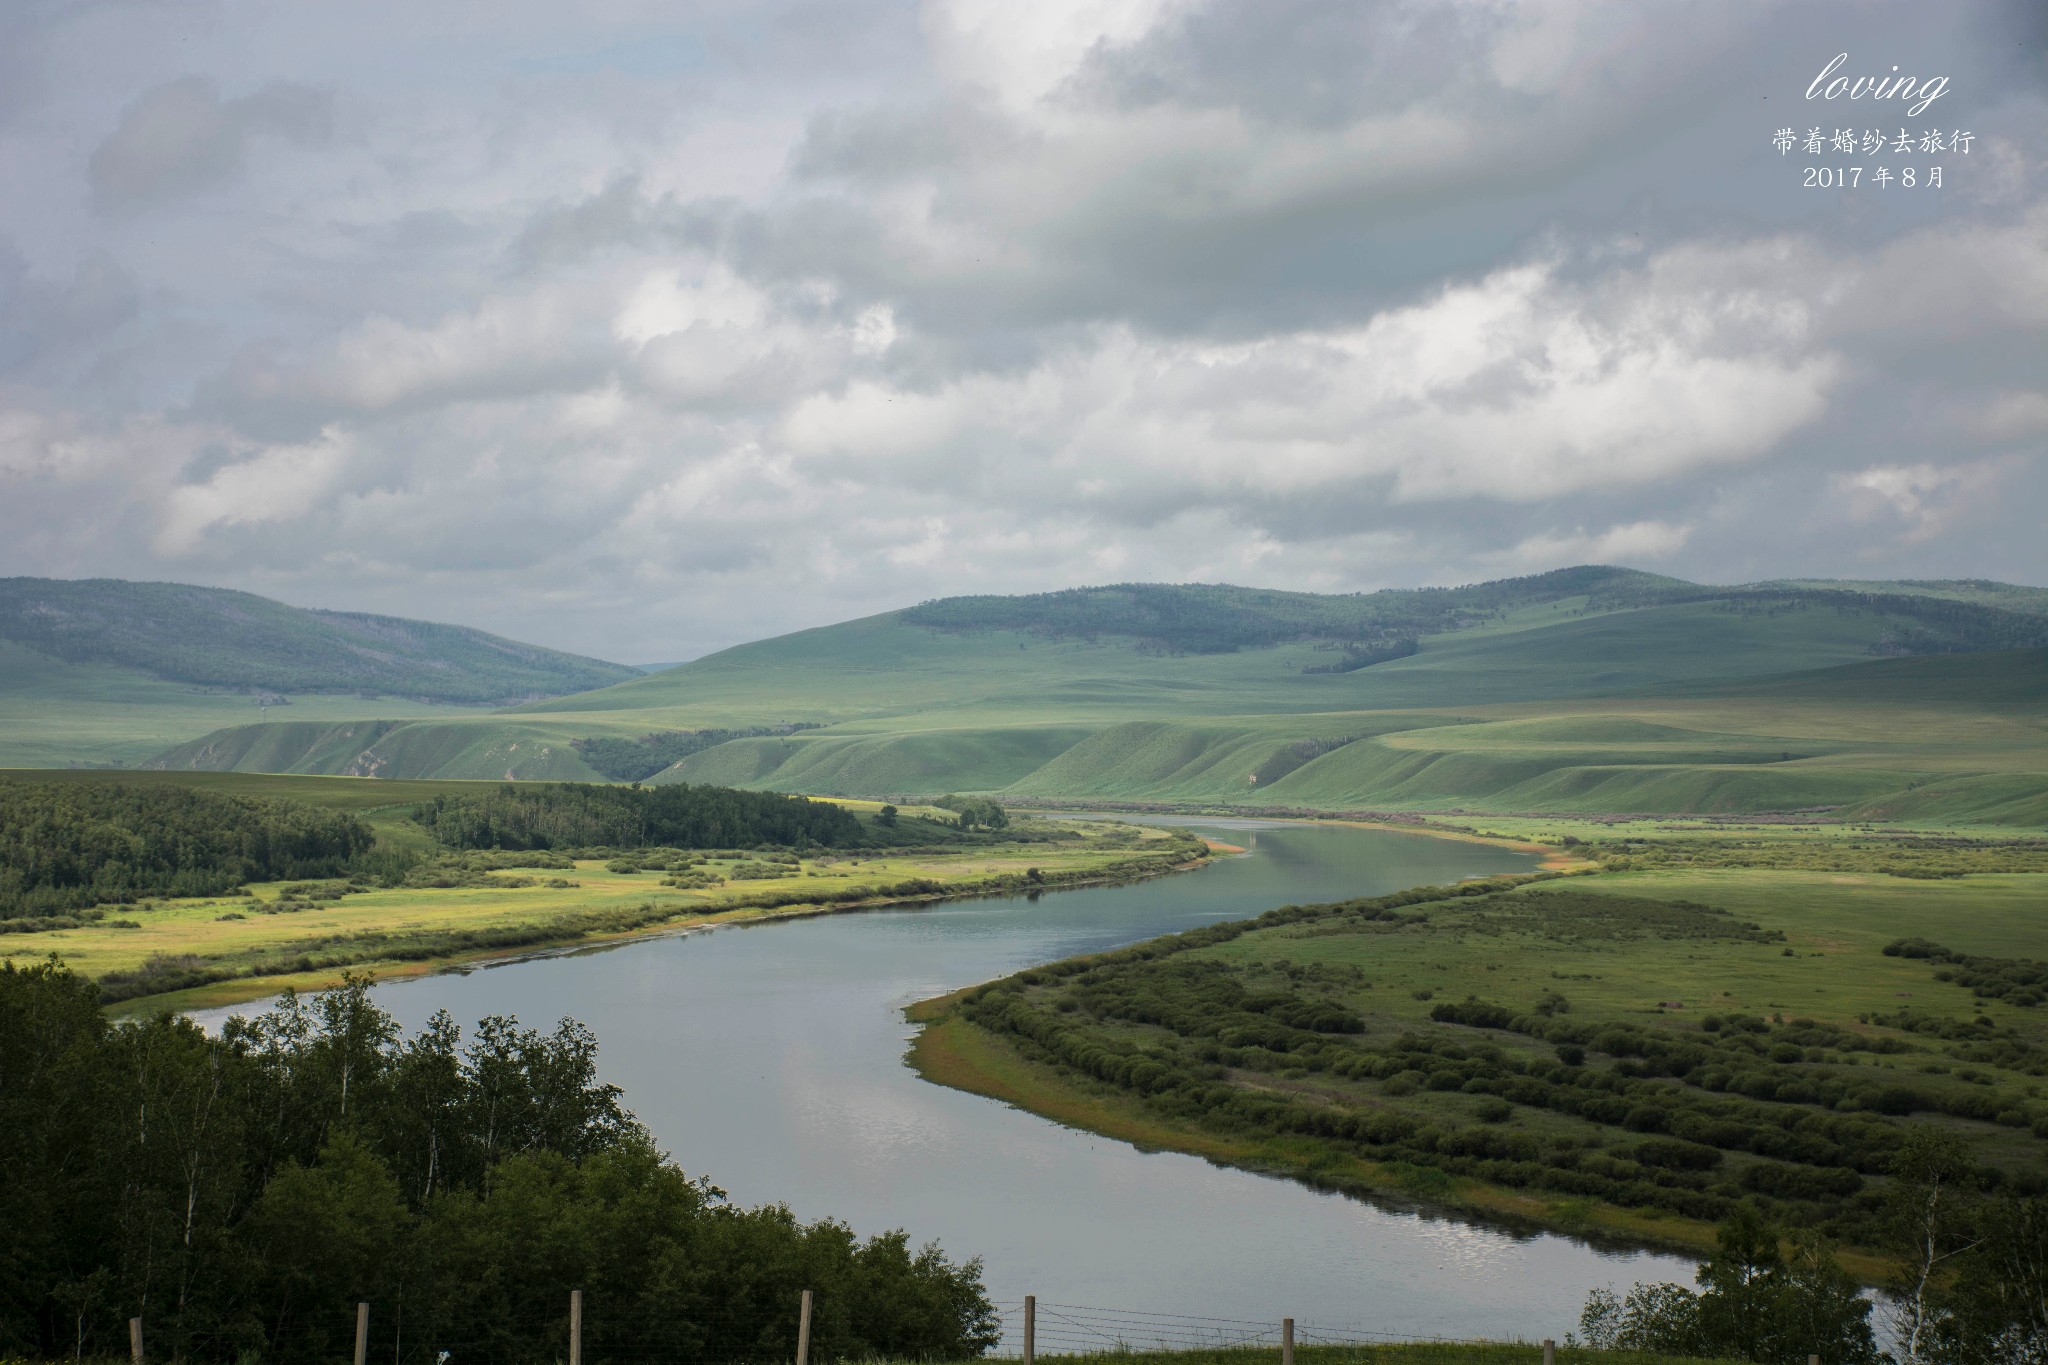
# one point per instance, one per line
(105, 671)
(54, 713)
(217, 638)
(1714, 707)
(1836, 925)
(1005, 703)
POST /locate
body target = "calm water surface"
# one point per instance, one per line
(770, 1059)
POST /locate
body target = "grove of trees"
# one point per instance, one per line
(67, 846)
(577, 815)
(242, 1192)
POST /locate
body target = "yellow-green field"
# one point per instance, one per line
(177, 953)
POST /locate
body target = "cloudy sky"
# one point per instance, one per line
(641, 329)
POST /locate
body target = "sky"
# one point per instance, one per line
(644, 329)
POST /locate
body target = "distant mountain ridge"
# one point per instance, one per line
(1593, 689)
(237, 641)
(1948, 616)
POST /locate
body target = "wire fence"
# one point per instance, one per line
(568, 1334)
(1042, 1328)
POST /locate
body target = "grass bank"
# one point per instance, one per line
(1624, 1054)
(205, 951)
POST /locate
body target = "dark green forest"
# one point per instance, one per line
(241, 1193)
(240, 642)
(576, 815)
(66, 847)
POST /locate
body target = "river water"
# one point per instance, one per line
(769, 1058)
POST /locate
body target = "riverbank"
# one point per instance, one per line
(951, 1051)
(1557, 1053)
(207, 952)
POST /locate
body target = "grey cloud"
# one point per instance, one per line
(45, 321)
(181, 137)
(591, 351)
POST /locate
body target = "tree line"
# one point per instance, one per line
(580, 815)
(241, 1192)
(66, 846)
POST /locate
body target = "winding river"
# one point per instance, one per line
(770, 1058)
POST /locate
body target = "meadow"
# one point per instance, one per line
(1626, 1052)
(186, 952)
(54, 714)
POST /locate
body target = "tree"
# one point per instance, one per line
(1932, 1222)
(243, 1192)
(886, 816)
(1755, 1303)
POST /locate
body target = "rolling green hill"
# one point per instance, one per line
(216, 638)
(106, 671)
(1585, 690)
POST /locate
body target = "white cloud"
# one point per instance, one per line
(280, 484)
(1924, 500)
(1636, 543)
(728, 319)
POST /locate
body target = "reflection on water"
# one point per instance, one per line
(770, 1058)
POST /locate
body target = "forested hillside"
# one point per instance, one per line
(212, 637)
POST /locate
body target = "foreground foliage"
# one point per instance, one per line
(1755, 1303)
(242, 1193)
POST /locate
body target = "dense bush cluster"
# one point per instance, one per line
(564, 815)
(1365, 653)
(975, 812)
(2015, 980)
(243, 1192)
(1894, 853)
(629, 760)
(67, 846)
(1694, 1119)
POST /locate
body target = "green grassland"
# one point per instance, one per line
(205, 950)
(53, 713)
(109, 672)
(1586, 690)
(1954, 737)
(213, 637)
(1794, 1051)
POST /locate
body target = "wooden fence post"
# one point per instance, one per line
(1549, 1352)
(362, 1333)
(803, 1331)
(1030, 1328)
(135, 1340)
(575, 1327)
(1287, 1341)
